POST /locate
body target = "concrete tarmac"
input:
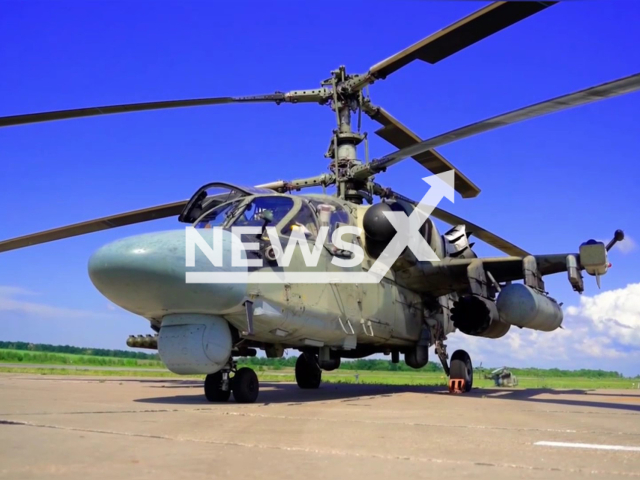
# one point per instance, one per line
(106, 428)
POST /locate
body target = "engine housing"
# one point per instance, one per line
(194, 343)
(478, 316)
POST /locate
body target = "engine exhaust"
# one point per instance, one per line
(474, 315)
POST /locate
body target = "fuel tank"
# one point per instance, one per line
(523, 307)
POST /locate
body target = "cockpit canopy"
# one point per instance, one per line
(256, 211)
(217, 193)
(240, 207)
(228, 206)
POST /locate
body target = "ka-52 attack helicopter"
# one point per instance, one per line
(201, 327)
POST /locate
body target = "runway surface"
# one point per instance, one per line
(106, 428)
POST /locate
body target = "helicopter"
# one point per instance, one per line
(202, 327)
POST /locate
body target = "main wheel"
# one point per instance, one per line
(462, 369)
(308, 373)
(245, 386)
(213, 388)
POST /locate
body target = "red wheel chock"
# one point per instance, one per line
(456, 385)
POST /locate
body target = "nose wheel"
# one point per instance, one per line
(243, 384)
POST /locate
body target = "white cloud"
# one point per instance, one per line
(9, 303)
(615, 314)
(627, 245)
(7, 291)
(602, 331)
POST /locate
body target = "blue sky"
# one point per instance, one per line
(548, 184)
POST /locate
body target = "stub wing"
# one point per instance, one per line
(451, 275)
(455, 275)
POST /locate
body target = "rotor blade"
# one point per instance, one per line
(133, 107)
(461, 34)
(400, 136)
(480, 233)
(606, 90)
(112, 221)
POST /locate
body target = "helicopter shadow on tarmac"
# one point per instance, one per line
(283, 393)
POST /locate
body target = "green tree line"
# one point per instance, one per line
(97, 356)
(556, 372)
(94, 352)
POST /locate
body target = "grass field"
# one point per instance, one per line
(47, 358)
(40, 362)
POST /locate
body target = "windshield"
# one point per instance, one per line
(337, 216)
(253, 214)
(217, 216)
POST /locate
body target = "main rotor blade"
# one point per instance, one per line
(606, 90)
(480, 233)
(400, 136)
(112, 221)
(457, 36)
(133, 107)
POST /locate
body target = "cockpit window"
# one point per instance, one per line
(337, 214)
(271, 209)
(304, 221)
(218, 216)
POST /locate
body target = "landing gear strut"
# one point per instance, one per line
(244, 384)
(441, 351)
(308, 373)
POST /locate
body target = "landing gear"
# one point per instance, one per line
(462, 369)
(213, 388)
(441, 351)
(244, 385)
(308, 373)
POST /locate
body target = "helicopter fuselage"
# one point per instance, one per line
(146, 275)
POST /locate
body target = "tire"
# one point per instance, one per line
(308, 373)
(462, 369)
(245, 386)
(213, 388)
